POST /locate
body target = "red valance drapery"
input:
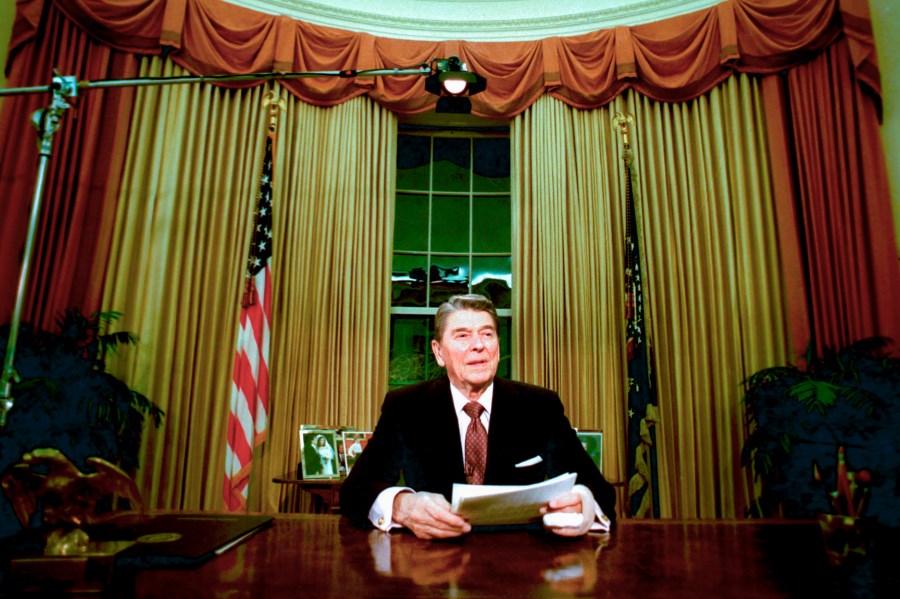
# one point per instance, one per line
(672, 60)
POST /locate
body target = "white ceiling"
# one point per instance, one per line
(476, 20)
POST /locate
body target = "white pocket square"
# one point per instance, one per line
(530, 462)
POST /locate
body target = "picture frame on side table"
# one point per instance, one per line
(320, 458)
(354, 442)
(592, 441)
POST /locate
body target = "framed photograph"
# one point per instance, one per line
(592, 441)
(353, 444)
(320, 453)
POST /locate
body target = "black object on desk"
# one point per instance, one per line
(180, 540)
(105, 555)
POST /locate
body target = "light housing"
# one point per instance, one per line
(454, 83)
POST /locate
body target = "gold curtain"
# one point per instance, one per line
(712, 297)
(568, 308)
(714, 302)
(181, 239)
(332, 323)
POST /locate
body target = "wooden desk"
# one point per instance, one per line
(323, 556)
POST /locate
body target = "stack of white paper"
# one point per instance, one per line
(507, 504)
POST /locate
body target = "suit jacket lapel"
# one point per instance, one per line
(446, 431)
(502, 429)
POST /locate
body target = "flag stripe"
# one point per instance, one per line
(240, 447)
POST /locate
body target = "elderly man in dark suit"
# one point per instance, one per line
(423, 429)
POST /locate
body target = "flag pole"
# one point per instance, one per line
(274, 104)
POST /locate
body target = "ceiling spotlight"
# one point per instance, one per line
(453, 82)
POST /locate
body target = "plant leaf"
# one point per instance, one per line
(815, 395)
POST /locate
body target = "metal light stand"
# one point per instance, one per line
(47, 121)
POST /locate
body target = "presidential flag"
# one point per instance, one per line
(643, 412)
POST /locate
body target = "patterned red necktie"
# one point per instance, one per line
(476, 444)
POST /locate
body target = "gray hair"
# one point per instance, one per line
(471, 301)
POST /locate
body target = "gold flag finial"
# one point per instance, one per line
(274, 103)
(621, 120)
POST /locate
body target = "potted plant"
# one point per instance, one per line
(66, 400)
(798, 417)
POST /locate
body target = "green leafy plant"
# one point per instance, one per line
(797, 417)
(67, 400)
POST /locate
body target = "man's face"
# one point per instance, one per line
(469, 350)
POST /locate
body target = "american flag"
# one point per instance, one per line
(250, 382)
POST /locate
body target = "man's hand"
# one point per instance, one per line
(579, 501)
(428, 516)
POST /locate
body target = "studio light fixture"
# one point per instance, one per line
(452, 80)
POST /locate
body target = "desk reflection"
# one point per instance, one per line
(554, 565)
(426, 563)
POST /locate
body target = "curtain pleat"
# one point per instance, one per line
(846, 224)
(713, 293)
(713, 298)
(568, 231)
(181, 239)
(331, 334)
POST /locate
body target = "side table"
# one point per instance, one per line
(326, 492)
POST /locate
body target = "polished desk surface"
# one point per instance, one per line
(324, 556)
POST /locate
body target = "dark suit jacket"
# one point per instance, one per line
(417, 437)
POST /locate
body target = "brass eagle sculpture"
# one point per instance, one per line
(68, 497)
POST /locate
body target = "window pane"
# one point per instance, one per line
(491, 165)
(411, 356)
(449, 276)
(492, 277)
(504, 370)
(408, 280)
(449, 224)
(413, 162)
(451, 164)
(491, 224)
(411, 223)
